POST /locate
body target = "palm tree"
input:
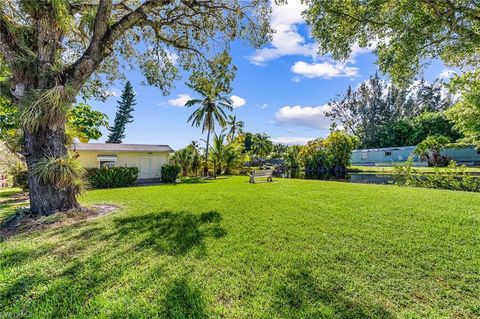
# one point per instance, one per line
(196, 162)
(211, 109)
(218, 153)
(183, 158)
(262, 145)
(235, 127)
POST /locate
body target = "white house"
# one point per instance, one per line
(148, 158)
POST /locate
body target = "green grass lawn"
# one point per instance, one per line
(390, 169)
(229, 249)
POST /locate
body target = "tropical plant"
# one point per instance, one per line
(339, 146)
(278, 151)
(211, 110)
(429, 150)
(183, 158)
(232, 157)
(123, 115)
(235, 127)
(291, 156)
(218, 153)
(261, 145)
(332, 153)
(196, 161)
(57, 50)
(313, 155)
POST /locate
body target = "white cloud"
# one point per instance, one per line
(326, 70)
(311, 117)
(292, 140)
(180, 100)
(446, 74)
(237, 101)
(286, 40)
(113, 92)
(262, 106)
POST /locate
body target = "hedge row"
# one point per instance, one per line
(111, 177)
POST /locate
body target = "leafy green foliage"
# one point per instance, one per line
(123, 115)
(183, 158)
(84, 123)
(411, 131)
(429, 149)
(170, 173)
(404, 33)
(452, 177)
(334, 152)
(379, 114)
(111, 177)
(261, 145)
(466, 112)
(19, 176)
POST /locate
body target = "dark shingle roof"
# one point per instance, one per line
(106, 147)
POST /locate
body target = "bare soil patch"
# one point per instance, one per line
(22, 221)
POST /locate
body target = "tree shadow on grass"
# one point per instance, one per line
(193, 180)
(184, 300)
(301, 296)
(170, 232)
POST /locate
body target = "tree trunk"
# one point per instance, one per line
(46, 198)
(205, 169)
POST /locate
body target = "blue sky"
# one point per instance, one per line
(281, 89)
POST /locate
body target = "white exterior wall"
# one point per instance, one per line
(148, 163)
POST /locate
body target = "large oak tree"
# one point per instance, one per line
(57, 50)
(406, 34)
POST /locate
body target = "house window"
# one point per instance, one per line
(388, 153)
(478, 151)
(107, 164)
(364, 156)
(107, 160)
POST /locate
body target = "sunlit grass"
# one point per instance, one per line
(229, 249)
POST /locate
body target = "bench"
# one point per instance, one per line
(266, 173)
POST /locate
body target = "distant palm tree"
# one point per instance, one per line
(218, 153)
(195, 145)
(211, 109)
(262, 145)
(183, 158)
(234, 127)
(196, 161)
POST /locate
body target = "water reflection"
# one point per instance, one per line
(344, 176)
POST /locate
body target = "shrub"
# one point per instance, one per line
(19, 176)
(111, 177)
(170, 173)
(452, 177)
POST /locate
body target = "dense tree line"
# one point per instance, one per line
(383, 115)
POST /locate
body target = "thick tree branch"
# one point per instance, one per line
(103, 39)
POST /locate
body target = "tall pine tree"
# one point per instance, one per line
(123, 115)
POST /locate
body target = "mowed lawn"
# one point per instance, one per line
(229, 249)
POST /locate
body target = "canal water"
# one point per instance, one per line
(352, 177)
